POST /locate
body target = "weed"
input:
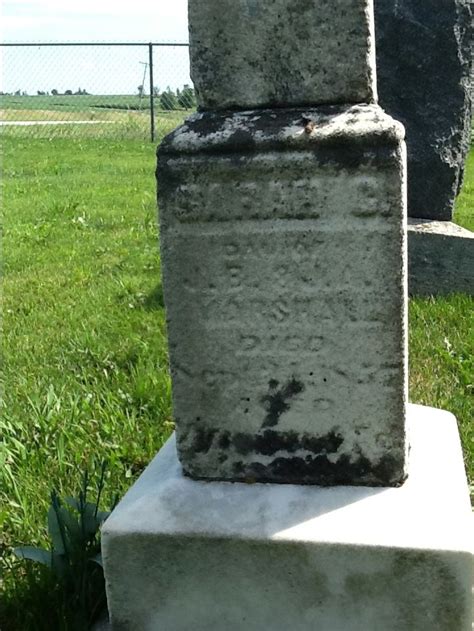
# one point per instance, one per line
(68, 591)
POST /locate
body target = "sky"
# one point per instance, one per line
(98, 70)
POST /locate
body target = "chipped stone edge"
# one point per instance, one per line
(258, 130)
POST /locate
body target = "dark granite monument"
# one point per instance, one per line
(424, 62)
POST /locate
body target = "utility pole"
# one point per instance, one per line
(143, 63)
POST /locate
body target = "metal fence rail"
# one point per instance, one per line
(94, 89)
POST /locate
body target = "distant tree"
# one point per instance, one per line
(18, 93)
(40, 93)
(68, 92)
(169, 100)
(54, 92)
(140, 91)
(187, 98)
(156, 91)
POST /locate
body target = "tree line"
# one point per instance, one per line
(53, 92)
(169, 99)
(173, 100)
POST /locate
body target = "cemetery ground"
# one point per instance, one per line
(84, 335)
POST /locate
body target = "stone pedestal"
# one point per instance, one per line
(283, 257)
(184, 555)
(441, 258)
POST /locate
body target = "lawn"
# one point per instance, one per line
(464, 212)
(84, 342)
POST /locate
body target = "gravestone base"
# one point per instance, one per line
(181, 554)
(440, 258)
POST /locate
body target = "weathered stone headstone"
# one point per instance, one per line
(283, 252)
(283, 244)
(283, 266)
(424, 66)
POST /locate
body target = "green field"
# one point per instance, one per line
(73, 102)
(84, 341)
(109, 116)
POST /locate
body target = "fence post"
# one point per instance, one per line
(152, 105)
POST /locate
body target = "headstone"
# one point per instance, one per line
(249, 53)
(424, 66)
(283, 244)
(283, 257)
(283, 252)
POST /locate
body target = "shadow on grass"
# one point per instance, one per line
(154, 300)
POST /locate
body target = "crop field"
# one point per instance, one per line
(73, 102)
(109, 116)
(84, 339)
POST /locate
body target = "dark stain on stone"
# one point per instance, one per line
(224, 440)
(202, 440)
(421, 582)
(263, 133)
(314, 467)
(238, 468)
(318, 469)
(243, 443)
(243, 137)
(328, 444)
(169, 179)
(277, 401)
(271, 441)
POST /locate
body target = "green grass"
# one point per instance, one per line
(442, 361)
(84, 340)
(113, 125)
(464, 211)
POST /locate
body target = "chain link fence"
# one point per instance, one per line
(113, 90)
